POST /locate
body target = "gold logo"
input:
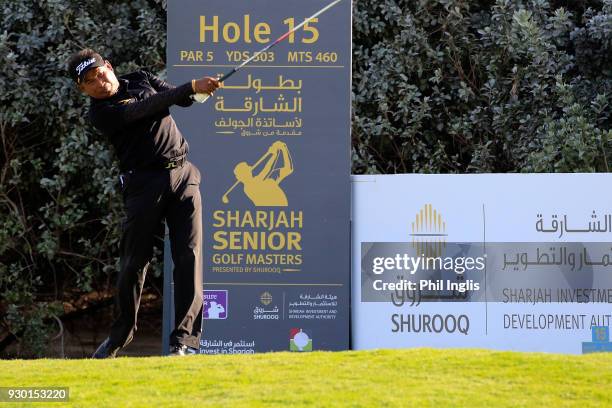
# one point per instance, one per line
(429, 232)
(125, 101)
(261, 180)
(265, 298)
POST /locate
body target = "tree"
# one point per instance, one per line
(505, 86)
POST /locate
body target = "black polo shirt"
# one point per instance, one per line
(138, 123)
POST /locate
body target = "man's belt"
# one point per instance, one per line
(169, 165)
(174, 163)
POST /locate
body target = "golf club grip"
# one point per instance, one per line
(203, 97)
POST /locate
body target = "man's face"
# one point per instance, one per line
(100, 82)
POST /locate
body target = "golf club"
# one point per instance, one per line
(203, 97)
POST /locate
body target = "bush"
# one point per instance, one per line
(59, 224)
(506, 86)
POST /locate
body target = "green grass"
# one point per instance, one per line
(423, 377)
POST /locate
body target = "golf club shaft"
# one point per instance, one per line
(224, 199)
(203, 97)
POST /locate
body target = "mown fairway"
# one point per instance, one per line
(366, 378)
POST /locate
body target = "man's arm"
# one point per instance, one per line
(279, 150)
(160, 85)
(287, 168)
(111, 117)
(268, 167)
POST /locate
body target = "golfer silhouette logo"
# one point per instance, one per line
(215, 310)
(261, 181)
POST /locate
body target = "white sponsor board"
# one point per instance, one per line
(547, 246)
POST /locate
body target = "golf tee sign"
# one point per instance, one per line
(273, 145)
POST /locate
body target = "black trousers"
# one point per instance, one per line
(150, 196)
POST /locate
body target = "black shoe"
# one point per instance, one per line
(105, 351)
(181, 350)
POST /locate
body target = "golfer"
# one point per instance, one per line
(157, 183)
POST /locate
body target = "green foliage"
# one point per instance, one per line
(60, 209)
(507, 86)
(438, 86)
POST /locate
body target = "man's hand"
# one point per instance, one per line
(276, 146)
(206, 85)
